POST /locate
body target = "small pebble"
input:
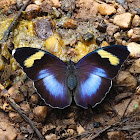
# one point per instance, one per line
(110, 39)
(138, 90)
(117, 35)
(15, 117)
(136, 35)
(3, 4)
(56, 3)
(124, 43)
(46, 6)
(38, 2)
(123, 20)
(136, 21)
(80, 129)
(25, 107)
(86, 9)
(7, 130)
(56, 13)
(19, 4)
(70, 131)
(100, 39)
(111, 29)
(40, 113)
(34, 99)
(106, 9)
(126, 80)
(51, 137)
(120, 9)
(32, 11)
(15, 93)
(130, 33)
(134, 49)
(104, 44)
(136, 136)
(70, 23)
(1, 63)
(135, 67)
(122, 2)
(88, 37)
(6, 107)
(116, 135)
(84, 139)
(43, 28)
(68, 5)
(48, 128)
(54, 44)
(102, 27)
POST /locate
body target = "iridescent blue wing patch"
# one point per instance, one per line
(95, 72)
(91, 89)
(48, 73)
(54, 91)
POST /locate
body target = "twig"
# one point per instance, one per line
(127, 107)
(120, 122)
(101, 2)
(7, 32)
(126, 128)
(18, 110)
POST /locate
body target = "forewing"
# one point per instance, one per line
(105, 62)
(48, 73)
(37, 63)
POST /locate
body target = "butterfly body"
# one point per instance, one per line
(71, 78)
(89, 80)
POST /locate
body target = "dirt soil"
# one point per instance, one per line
(70, 29)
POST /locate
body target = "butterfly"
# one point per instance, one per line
(87, 81)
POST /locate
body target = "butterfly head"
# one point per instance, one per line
(70, 66)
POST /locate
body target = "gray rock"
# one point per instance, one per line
(111, 29)
(136, 35)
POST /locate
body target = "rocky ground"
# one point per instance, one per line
(70, 29)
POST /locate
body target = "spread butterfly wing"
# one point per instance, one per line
(48, 73)
(96, 71)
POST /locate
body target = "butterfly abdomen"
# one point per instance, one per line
(71, 81)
